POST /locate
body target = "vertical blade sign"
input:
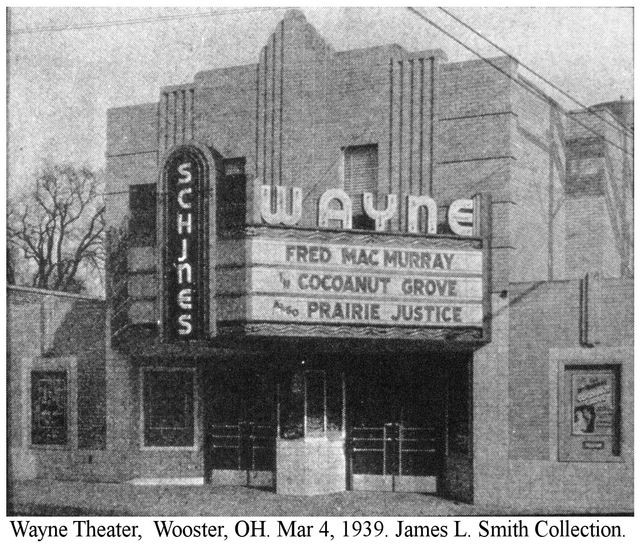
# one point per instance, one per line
(186, 247)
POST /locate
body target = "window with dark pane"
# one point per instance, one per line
(49, 407)
(585, 166)
(232, 193)
(168, 402)
(292, 405)
(142, 215)
(234, 166)
(360, 176)
(311, 404)
(316, 403)
(335, 405)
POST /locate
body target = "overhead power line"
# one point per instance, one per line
(140, 20)
(617, 127)
(516, 80)
(538, 95)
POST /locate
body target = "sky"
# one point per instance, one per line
(61, 82)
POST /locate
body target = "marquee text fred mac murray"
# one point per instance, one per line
(317, 528)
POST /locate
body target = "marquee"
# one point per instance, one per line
(310, 282)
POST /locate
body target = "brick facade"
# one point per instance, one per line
(449, 130)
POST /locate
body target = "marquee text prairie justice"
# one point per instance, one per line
(317, 528)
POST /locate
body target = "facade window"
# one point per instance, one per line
(585, 166)
(232, 193)
(48, 407)
(234, 166)
(168, 407)
(590, 413)
(142, 219)
(360, 175)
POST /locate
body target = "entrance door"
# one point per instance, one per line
(240, 427)
(396, 425)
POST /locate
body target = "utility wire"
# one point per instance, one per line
(140, 20)
(527, 88)
(368, 127)
(617, 127)
(520, 83)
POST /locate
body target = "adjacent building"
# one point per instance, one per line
(56, 394)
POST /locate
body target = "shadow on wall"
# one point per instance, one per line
(82, 330)
(81, 333)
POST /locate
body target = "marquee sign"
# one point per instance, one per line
(186, 246)
(281, 280)
(304, 282)
(336, 206)
(300, 281)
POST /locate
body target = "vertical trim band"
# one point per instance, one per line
(390, 125)
(431, 127)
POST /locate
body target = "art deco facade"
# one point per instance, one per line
(481, 349)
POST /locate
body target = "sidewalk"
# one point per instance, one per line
(49, 497)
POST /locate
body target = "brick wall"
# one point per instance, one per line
(606, 207)
(473, 147)
(132, 156)
(516, 464)
(590, 237)
(599, 212)
(538, 181)
(58, 331)
(290, 115)
(544, 316)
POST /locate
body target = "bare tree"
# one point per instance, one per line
(58, 228)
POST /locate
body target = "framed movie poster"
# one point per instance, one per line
(589, 413)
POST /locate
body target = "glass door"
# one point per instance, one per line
(240, 421)
(396, 425)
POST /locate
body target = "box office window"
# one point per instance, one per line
(168, 403)
(360, 176)
(142, 214)
(310, 405)
(590, 413)
(48, 407)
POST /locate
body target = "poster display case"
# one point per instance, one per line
(590, 413)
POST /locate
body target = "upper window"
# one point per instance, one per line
(232, 193)
(168, 402)
(142, 209)
(48, 407)
(585, 166)
(360, 175)
(234, 166)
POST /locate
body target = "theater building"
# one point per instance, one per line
(371, 269)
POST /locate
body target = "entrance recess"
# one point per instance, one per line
(396, 425)
(240, 427)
